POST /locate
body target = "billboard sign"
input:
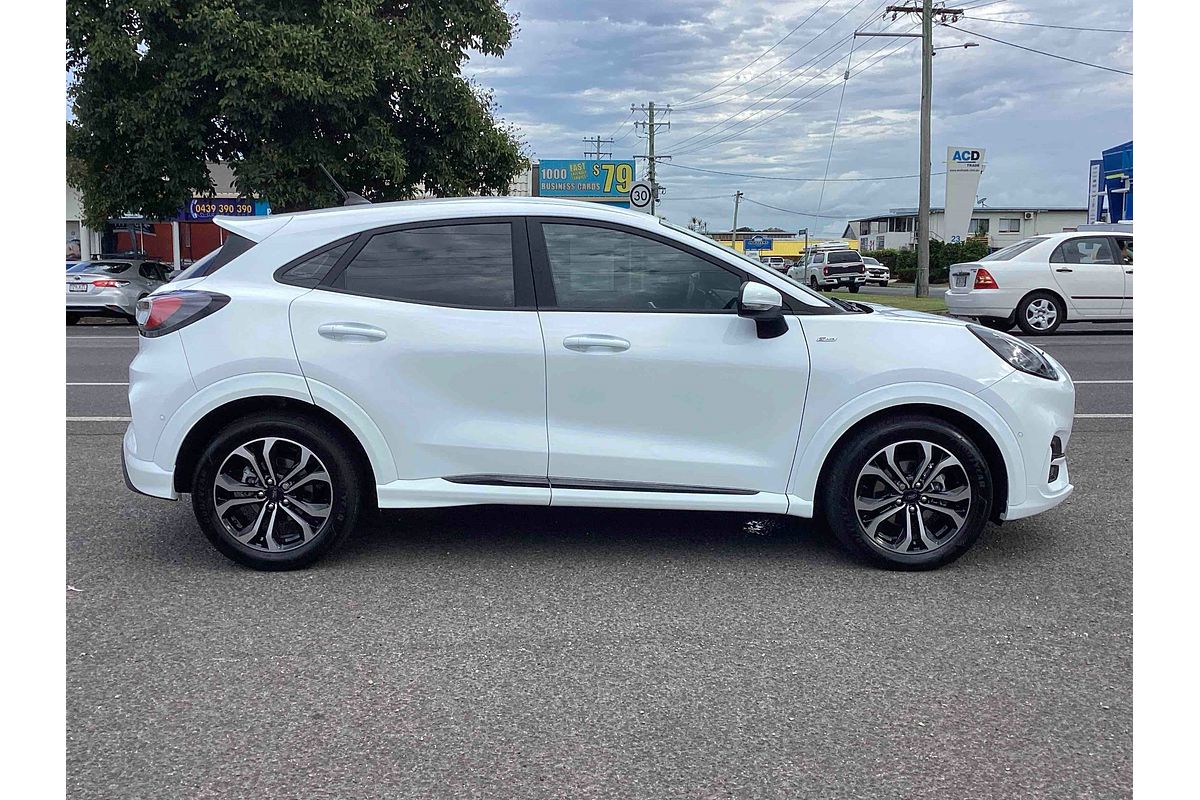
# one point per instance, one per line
(758, 243)
(586, 179)
(205, 208)
(964, 165)
(1095, 196)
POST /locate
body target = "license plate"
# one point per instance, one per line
(77, 287)
(960, 280)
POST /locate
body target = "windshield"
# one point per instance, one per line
(871, 261)
(807, 295)
(1014, 250)
(108, 268)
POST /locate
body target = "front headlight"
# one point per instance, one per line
(1019, 354)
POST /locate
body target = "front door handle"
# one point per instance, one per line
(350, 331)
(596, 343)
(1064, 269)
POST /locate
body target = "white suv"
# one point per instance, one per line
(829, 269)
(550, 353)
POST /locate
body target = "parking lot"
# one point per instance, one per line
(517, 652)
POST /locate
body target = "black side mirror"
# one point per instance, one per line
(764, 305)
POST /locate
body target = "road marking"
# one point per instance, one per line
(126, 383)
(1104, 416)
(99, 419)
(1101, 382)
(97, 338)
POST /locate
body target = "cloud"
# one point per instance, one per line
(575, 68)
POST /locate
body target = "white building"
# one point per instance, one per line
(897, 230)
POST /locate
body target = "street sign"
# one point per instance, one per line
(758, 243)
(640, 195)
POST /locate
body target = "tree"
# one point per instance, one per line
(373, 90)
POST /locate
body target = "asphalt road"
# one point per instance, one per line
(509, 652)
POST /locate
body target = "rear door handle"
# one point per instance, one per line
(1128, 272)
(349, 331)
(596, 343)
(1064, 269)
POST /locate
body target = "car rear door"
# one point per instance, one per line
(1086, 271)
(656, 388)
(430, 331)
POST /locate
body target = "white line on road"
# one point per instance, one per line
(125, 383)
(99, 419)
(98, 338)
(1101, 382)
(1104, 416)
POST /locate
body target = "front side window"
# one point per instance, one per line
(1083, 250)
(611, 270)
(458, 265)
(1125, 249)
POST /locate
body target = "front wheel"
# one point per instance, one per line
(276, 492)
(1040, 313)
(912, 493)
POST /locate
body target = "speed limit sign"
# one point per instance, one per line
(639, 196)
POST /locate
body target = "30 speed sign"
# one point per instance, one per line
(639, 196)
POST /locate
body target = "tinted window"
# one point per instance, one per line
(312, 271)
(460, 265)
(843, 257)
(1083, 250)
(107, 267)
(234, 246)
(1125, 249)
(600, 268)
(150, 272)
(1014, 250)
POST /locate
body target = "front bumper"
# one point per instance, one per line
(145, 477)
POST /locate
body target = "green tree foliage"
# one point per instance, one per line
(373, 90)
(942, 256)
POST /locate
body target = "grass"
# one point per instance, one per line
(931, 304)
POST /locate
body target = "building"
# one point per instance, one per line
(1110, 185)
(897, 230)
(774, 242)
(179, 241)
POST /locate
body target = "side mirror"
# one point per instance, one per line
(764, 305)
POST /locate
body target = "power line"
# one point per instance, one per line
(756, 60)
(1040, 52)
(836, 121)
(674, 165)
(1043, 25)
(793, 211)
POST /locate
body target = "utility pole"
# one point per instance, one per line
(927, 12)
(597, 153)
(737, 200)
(651, 126)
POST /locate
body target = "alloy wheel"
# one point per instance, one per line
(912, 497)
(1041, 314)
(273, 494)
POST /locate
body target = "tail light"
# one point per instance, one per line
(107, 283)
(160, 314)
(984, 280)
(825, 270)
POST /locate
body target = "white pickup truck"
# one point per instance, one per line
(829, 269)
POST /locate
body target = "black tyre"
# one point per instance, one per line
(816, 287)
(1040, 313)
(73, 319)
(1003, 324)
(854, 288)
(911, 493)
(276, 492)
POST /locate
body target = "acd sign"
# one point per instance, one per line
(967, 155)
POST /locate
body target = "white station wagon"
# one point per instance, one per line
(1042, 282)
(551, 353)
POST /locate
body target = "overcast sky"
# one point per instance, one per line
(575, 67)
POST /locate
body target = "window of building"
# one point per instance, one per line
(601, 268)
(900, 225)
(979, 226)
(1010, 224)
(459, 265)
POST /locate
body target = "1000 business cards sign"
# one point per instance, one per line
(586, 179)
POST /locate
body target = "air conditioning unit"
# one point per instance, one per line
(1028, 215)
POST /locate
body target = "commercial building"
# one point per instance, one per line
(1110, 185)
(897, 230)
(774, 242)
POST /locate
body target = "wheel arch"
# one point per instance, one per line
(1056, 294)
(205, 428)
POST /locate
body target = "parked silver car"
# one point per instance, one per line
(111, 287)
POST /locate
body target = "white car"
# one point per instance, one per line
(831, 268)
(554, 353)
(877, 273)
(1042, 282)
(778, 263)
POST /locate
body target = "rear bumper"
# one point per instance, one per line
(981, 303)
(145, 477)
(107, 301)
(842, 280)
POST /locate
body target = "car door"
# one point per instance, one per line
(655, 386)
(1124, 250)
(430, 329)
(1091, 280)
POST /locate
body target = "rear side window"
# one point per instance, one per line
(1014, 250)
(234, 246)
(313, 270)
(457, 265)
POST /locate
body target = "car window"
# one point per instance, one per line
(150, 271)
(1083, 250)
(1013, 250)
(1125, 249)
(819, 258)
(82, 266)
(460, 265)
(107, 267)
(605, 269)
(313, 270)
(843, 257)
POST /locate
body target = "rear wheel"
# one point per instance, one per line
(276, 493)
(812, 282)
(854, 288)
(1040, 312)
(73, 318)
(912, 493)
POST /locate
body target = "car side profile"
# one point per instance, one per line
(553, 353)
(1039, 283)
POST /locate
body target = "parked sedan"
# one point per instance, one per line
(580, 356)
(877, 273)
(110, 288)
(1042, 282)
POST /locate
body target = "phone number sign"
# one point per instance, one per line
(201, 208)
(587, 178)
